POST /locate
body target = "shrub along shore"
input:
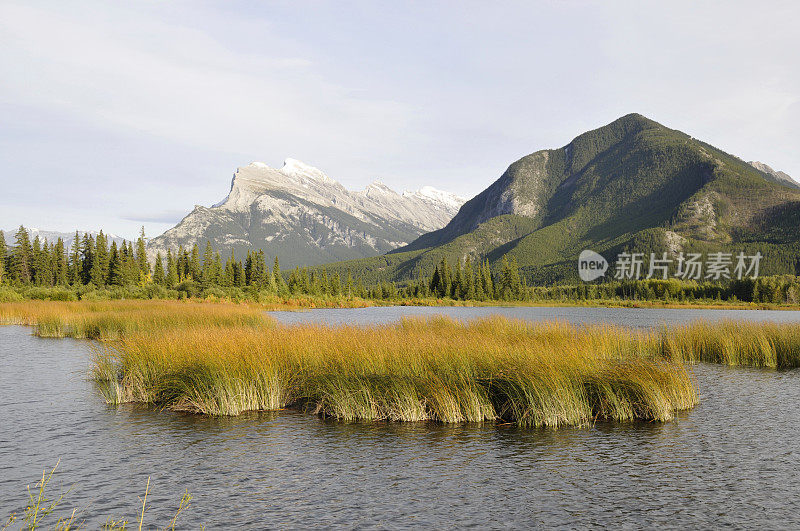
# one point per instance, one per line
(224, 359)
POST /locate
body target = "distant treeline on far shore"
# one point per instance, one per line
(93, 268)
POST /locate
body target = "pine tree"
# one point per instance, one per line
(480, 295)
(75, 261)
(43, 265)
(195, 270)
(441, 284)
(87, 258)
(141, 256)
(260, 268)
(293, 283)
(172, 271)
(131, 272)
(238, 272)
(99, 271)
(424, 287)
(305, 281)
(229, 275)
(36, 261)
(280, 285)
(21, 257)
(436, 281)
(61, 268)
(469, 277)
(182, 263)
(336, 285)
(115, 266)
(509, 284)
(248, 268)
(349, 284)
(158, 270)
(255, 269)
(447, 277)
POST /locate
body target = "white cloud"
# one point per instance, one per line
(179, 84)
(149, 106)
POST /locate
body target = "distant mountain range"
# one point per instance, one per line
(304, 217)
(53, 236)
(632, 184)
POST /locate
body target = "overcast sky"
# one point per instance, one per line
(120, 114)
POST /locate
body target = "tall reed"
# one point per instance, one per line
(739, 343)
(110, 320)
(418, 369)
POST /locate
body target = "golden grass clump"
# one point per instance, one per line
(734, 343)
(418, 369)
(111, 320)
(223, 359)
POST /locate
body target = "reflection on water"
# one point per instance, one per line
(630, 317)
(733, 460)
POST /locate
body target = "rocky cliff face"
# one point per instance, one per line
(304, 217)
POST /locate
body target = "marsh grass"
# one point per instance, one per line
(224, 359)
(111, 320)
(416, 370)
(734, 343)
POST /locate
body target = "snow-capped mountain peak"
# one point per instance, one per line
(300, 214)
(435, 195)
(296, 168)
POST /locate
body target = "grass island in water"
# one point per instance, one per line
(224, 359)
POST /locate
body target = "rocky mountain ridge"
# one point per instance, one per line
(303, 216)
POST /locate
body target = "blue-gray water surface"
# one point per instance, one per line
(733, 461)
(629, 317)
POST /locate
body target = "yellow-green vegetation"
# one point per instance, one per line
(737, 343)
(109, 320)
(223, 359)
(418, 369)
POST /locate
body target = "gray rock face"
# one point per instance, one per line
(304, 217)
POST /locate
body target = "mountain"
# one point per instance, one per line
(53, 236)
(779, 176)
(304, 217)
(632, 184)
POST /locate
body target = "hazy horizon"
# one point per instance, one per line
(117, 116)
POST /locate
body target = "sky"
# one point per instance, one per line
(118, 115)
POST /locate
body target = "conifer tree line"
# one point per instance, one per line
(97, 262)
(89, 260)
(100, 262)
(465, 281)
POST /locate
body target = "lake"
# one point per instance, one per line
(629, 317)
(734, 460)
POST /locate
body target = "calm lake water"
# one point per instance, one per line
(733, 461)
(630, 317)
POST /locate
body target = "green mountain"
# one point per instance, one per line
(633, 184)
